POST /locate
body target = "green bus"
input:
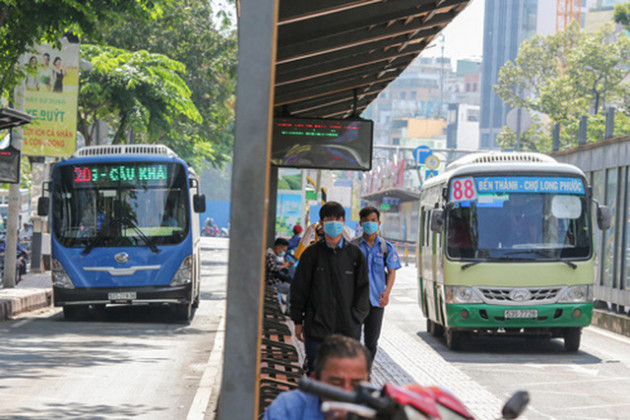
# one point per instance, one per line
(506, 248)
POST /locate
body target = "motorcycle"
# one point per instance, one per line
(21, 261)
(409, 402)
(210, 230)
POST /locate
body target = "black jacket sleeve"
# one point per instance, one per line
(361, 304)
(301, 284)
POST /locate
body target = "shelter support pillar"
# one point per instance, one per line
(249, 208)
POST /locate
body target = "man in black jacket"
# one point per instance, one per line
(330, 291)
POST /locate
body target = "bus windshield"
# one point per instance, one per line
(518, 224)
(111, 205)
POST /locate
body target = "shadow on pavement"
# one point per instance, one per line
(86, 411)
(504, 349)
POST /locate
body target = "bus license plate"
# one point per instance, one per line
(117, 296)
(521, 313)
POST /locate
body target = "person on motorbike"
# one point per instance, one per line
(21, 257)
(342, 362)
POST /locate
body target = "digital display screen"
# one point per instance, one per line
(322, 143)
(469, 188)
(114, 174)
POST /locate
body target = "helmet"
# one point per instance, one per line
(297, 229)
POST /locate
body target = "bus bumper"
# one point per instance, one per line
(122, 295)
(482, 316)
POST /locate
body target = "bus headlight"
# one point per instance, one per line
(461, 294)
(184, 272)
(576, 294)
(60, 278)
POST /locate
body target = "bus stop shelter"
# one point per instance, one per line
(299, 58)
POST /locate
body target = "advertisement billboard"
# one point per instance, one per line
(50, 96)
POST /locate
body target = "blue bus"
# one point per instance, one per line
(124, 229)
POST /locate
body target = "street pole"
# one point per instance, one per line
(441, 78)
(11, 235)
(518, 130)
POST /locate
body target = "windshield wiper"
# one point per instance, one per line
(508, 257)
(470, 264)
(537, 252)
(141, 234)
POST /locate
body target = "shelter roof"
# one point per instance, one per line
(10, 117)
(402, 194)
(330, 52)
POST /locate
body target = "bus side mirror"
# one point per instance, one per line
(437, 221)
(43, 203)
(199, 203)
(604, 217)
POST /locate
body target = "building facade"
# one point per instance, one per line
(506, 25)
(607, 167)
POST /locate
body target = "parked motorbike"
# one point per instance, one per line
(21, 262)
(409, 402)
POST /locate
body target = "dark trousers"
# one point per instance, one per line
(372, 328)
(311, 347)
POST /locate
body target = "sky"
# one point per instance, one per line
(463, 37)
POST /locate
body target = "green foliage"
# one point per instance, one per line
(216, 183)
(186, 32)
(134, 90)
(622, 14)
(532, 140)
(562, 77)
(25, 23)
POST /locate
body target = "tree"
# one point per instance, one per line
(132, 90)
(25, 23)
(622, 14)
(186, 32)
(564, 76)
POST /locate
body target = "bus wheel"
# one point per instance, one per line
(435, 329)
(454, 339)
(438, 330)
(183, 311)
(572, 339)
(73, 312)
(197, 299)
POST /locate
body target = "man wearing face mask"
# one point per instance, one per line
(382, 261)
(330, 291)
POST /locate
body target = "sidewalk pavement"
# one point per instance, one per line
(33, 292)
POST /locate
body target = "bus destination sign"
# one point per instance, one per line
(114, 174)
(469, 188)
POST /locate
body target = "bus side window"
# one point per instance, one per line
(427, 231)
(421, 240)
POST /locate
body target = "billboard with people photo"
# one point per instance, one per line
(51, 91)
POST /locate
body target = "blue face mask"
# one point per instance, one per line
(333, 229)
(282, 254)
(370, 227)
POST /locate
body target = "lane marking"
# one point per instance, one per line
(583, 370)
(211, 375)
(19, 323)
